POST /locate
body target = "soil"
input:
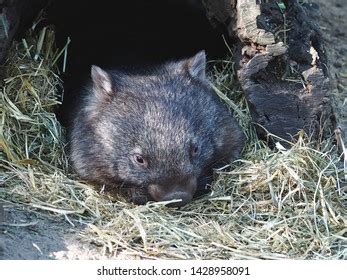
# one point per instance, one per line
(28, 235)
(25, 234)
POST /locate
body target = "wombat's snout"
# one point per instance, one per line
(164, 192)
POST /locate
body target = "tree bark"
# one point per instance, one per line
(282, 65)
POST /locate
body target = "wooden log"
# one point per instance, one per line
(282, 66)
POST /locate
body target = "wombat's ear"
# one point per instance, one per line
(197, 65)
(101, 82)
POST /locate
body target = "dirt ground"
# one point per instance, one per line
(27, 235)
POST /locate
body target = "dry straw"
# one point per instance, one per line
(271, 204)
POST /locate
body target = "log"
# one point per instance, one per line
(282, 66)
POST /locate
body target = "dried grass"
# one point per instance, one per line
(271, 204)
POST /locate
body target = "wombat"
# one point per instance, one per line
(158, 133)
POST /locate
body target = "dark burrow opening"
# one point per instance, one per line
(137, 31)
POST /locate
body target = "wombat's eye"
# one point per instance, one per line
(140, 160)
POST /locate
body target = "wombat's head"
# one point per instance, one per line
(160, 132)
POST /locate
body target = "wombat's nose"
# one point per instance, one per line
(183, 196)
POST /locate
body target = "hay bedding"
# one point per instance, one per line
(272, 204)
